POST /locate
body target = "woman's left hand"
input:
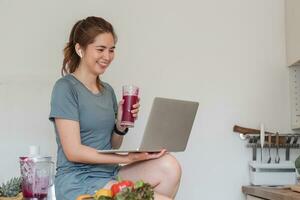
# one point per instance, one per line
(134, 112)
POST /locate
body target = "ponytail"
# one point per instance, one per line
(71, 59)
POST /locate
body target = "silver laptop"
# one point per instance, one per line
(169, 126)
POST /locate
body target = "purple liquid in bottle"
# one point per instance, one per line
(35, 178)
(37, 190)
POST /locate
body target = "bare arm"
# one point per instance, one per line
(69, 134)
(116, 141)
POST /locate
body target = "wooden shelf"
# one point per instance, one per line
(270, 193)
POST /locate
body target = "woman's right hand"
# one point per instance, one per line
(136, 157)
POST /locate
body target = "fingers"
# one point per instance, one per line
(137, 105)
(136, 109)
(158, 155)
(135, 157)
(135, 112)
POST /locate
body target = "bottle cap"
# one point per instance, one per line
(34, 150)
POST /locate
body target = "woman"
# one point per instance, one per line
(87, 117)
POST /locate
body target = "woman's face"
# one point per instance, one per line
(99, 54)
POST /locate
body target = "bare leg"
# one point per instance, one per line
(176, 189)
(163, 174)
(158, 196)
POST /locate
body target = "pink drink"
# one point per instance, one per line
(130, 97)
(37, 190)
(36, 174)
(127, 118)
(28, 194)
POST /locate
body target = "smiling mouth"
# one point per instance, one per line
(103, 65)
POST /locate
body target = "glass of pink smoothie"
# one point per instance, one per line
(130, 97)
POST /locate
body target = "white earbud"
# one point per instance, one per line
(80, 54)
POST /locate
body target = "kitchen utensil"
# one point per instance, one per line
(244, 136)
(250, 139)
(287, 148)
(277, 158)
(244, 132)
(295, 140)
(262, 140)
(254, 148)
(269, 144)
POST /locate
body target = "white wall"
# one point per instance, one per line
(228, 55)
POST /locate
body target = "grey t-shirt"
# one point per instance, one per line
(95, 113)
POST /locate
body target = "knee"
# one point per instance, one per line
(170, 167)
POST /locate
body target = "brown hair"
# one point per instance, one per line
(83, 32)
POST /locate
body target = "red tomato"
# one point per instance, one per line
(117, 187)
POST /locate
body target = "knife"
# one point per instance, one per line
(262, 140)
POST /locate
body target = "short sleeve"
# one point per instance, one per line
(113, 95)
(64, 101)
(115, 103)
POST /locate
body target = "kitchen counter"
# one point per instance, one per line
(269, 193)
